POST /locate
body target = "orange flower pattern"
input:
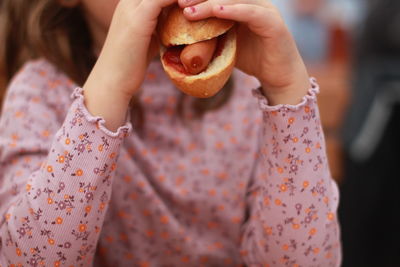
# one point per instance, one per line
(247, 184)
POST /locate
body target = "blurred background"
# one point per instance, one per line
(352, 47)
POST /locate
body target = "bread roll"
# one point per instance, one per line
(176, 32)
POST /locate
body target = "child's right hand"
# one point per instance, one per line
(122, 63)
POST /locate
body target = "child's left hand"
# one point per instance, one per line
(266, 49)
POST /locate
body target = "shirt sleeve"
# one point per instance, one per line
(292, 198)
(55, 179)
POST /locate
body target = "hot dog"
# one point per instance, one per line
(198, 56)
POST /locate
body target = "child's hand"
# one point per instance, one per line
(266, 49)
(127, 49)
(122, 63)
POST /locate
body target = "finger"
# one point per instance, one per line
(261, 3)
(252, 15)
(152, 8)
(199, 11)
(205, 9)
(186, 3)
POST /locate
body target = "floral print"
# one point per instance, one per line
(246, 185)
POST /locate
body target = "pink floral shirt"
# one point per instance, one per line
(246, 185)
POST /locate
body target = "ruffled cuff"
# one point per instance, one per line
(81, 111)
(310, 96)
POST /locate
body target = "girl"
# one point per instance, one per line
(221, 182)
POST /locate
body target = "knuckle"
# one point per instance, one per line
(253, 13)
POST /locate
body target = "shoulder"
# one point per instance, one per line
(39, 82)
(41, 74)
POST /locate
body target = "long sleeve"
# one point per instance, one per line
(292, 199)
(55, 174)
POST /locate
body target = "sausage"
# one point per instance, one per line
(196, 57)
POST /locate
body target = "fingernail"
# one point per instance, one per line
(189, 9)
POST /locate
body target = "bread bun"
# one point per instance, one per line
(175, 31)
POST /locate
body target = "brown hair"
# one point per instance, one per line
(31, 29)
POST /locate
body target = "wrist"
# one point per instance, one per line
(290, 93)
(107, 103)
(113, 78)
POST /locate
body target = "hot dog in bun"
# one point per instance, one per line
(198, 56)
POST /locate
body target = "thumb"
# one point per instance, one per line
(152, 8)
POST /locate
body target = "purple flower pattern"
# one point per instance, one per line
(247, 184)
